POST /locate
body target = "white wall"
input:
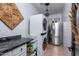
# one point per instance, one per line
(55, 15)
(26, 10)
(67, 38)
(51, 17)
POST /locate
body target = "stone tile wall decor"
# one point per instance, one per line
(10, 15)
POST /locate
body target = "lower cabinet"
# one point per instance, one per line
(19, 51)
(7, 54)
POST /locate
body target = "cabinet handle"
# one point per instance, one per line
(21, 49)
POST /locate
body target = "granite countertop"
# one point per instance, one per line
(9, 45)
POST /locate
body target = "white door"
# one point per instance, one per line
(67, 39)
(36, 25)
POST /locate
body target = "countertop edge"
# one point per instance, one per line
(15, 47)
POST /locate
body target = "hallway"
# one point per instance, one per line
(54, 51)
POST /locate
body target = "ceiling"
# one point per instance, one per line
(53, 7)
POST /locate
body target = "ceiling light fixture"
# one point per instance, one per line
(47, 11)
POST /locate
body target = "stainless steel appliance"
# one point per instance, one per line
(56, 33)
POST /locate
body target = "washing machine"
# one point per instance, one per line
(39, 28)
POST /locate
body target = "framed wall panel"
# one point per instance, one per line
(10, 15)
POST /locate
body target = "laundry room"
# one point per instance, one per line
(39, 29)
(53, 42)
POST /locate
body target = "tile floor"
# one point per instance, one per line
(52, 50)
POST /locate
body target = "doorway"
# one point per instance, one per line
(55, 39)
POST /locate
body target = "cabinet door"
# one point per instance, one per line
(19, 50)
(22, 54)
(7, 54)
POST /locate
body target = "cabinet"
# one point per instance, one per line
(19, 51)
(7, 54)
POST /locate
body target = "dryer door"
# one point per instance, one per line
(45, 24)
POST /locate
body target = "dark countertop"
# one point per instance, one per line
(9, 45)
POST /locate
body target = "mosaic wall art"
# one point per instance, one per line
(10, 15)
